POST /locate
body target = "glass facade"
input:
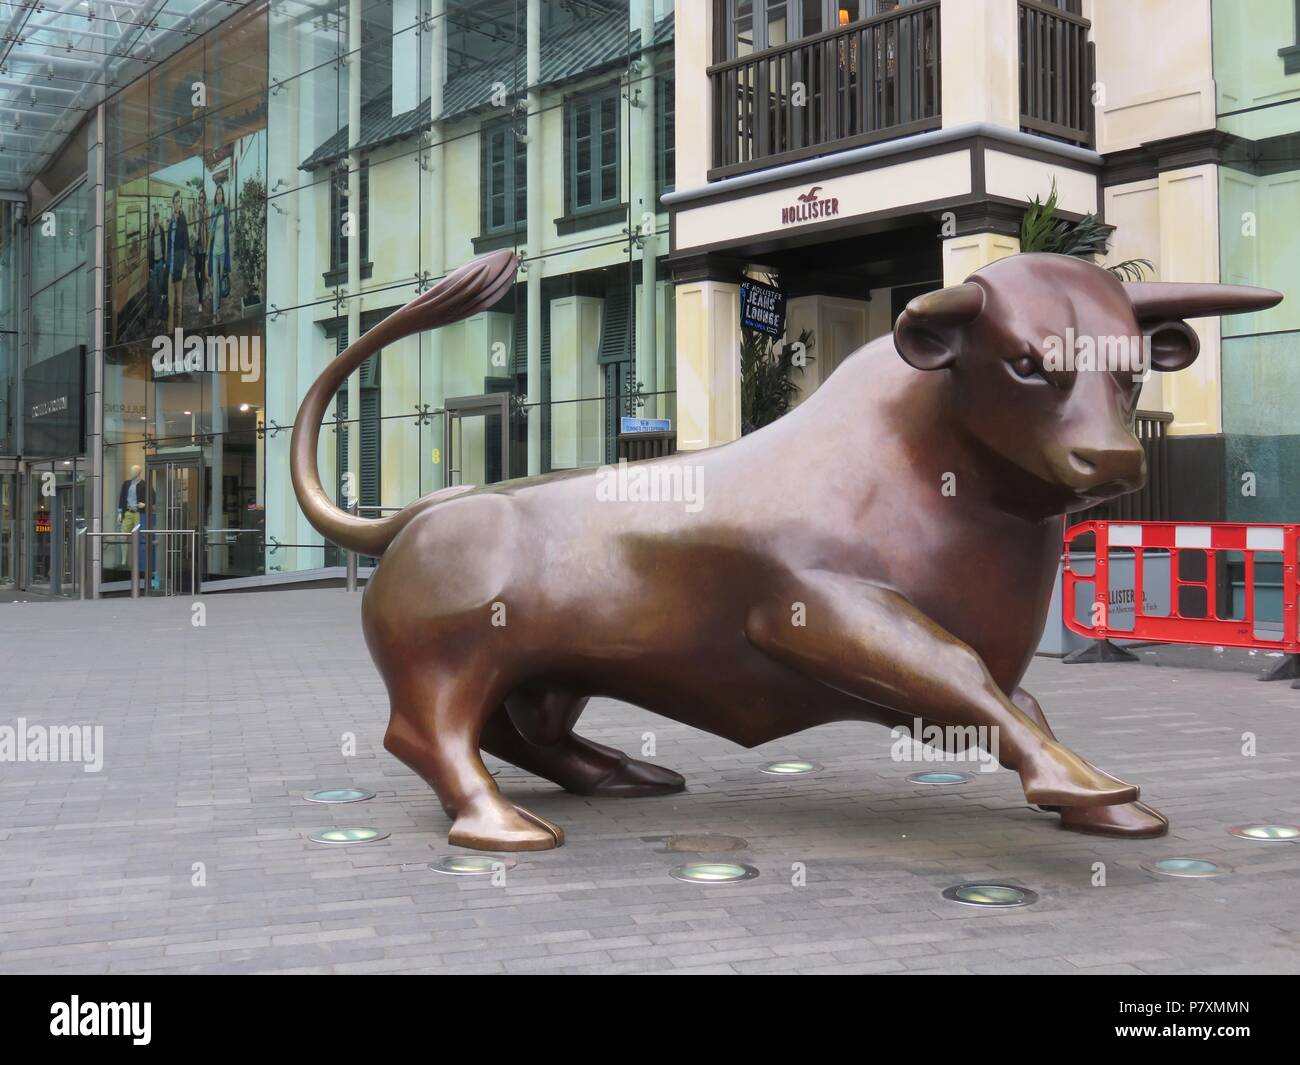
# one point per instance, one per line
(10, 348)
(237, 193)
(1256, 48)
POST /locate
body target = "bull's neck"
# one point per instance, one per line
(877, 410)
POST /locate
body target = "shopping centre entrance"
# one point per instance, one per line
(42, 526)
(173, 493)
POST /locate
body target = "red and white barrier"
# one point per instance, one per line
(1174, 537)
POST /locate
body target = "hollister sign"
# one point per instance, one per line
(55, 390)
(810, 207)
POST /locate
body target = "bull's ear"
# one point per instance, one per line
(1156, 301)
(1174, 344)
(927, 332)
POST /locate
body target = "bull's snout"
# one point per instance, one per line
(1103, 472)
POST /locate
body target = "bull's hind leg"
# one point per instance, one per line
(435, 729)
(534, 731)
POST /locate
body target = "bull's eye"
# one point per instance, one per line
(1026, 367)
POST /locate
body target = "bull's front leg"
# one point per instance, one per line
(871, 642)
(1135, 820)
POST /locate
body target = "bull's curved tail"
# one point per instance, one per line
(473, 288)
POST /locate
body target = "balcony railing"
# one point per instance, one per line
(1056, 73)
(868, 81)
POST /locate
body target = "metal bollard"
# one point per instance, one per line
(352, 563)
(134, 542)
(83, 564)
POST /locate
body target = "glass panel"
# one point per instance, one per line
(8, 522)
(1259, 199)
(778, 29)
(274, 126)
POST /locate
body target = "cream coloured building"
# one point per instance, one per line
(928, 125)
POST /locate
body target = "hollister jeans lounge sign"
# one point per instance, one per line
(810, 206)
(762, 307)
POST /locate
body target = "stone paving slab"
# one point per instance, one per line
(187, 851)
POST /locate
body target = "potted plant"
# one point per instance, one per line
(249, 239)
(766, 387)
(1042, 230)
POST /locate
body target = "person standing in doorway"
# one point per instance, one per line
(219, 250)
(201, 245)
(157, 266)
(178, 262)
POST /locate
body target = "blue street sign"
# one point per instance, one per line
(645, 425)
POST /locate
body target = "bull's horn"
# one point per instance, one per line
(1155, 300)
(955, 305)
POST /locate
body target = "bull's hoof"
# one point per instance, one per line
(1131, 820)
(584, 767)
(490, 823)
(1061, 778)
(632, 780)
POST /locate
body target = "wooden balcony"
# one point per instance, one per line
(868, 81)
(879, 78)
(1056, 73)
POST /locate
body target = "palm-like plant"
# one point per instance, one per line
(1042, 230)
(766, 387)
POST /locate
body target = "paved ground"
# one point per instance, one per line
(212, 734)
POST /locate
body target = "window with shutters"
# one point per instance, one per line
(537, 406)
(338, 271)
(505, 179)
(366, 429)
(666, 134)
(617, 329)
(592, 163)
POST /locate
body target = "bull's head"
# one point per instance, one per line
(1046, 356)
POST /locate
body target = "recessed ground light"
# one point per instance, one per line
(939, 778)
(470, 864)
(991, 896)
(1267, 833)
(706, 844)
(339, 795)
(347, 835)
(789, 767)
(713, 872)
(1193, 868)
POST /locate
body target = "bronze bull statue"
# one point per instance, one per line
(886, 552)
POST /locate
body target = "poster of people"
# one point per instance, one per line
(187, 204)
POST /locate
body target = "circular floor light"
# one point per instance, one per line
(1267, 833)
(713, 872)
(351, 834)
(333, 795)
(706, 844)
(470, 864)
(789, 767)
(991, 896)
(1188, 868)
(935, 777)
